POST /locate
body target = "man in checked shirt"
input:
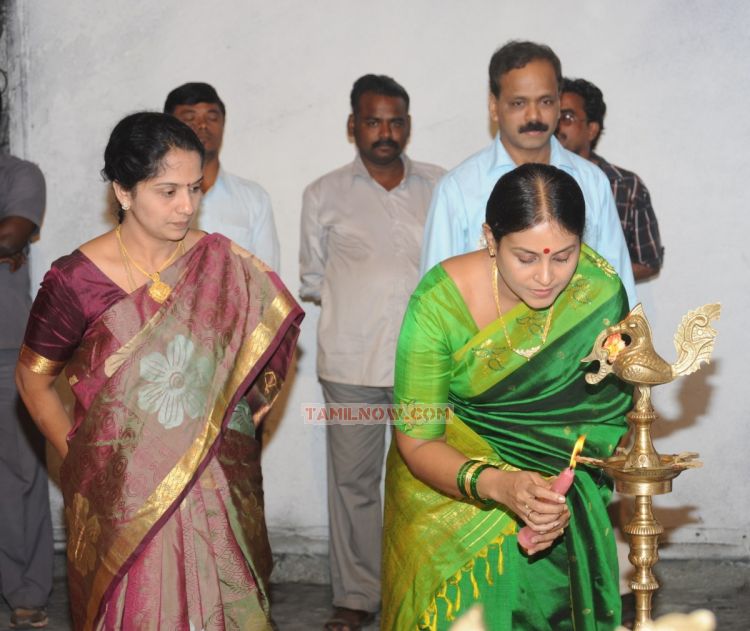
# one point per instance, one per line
(582, 110)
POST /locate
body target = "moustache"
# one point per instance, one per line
(533, 126)
(385, 143)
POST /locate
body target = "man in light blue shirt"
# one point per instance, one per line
(233, 206)
(241, 210)
(524, 102)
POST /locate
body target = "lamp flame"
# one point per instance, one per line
(577, 449)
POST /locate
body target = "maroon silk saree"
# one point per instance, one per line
(162, 483)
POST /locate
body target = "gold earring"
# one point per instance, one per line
(491, 250)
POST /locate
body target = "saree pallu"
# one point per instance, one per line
(162, 482)
(442, 554)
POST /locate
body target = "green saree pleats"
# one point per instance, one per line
(517, 414)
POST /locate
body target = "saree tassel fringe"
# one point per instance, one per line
(484, 554)
(443, 594)
(450, 590)
(475, 587)
(429, 619)
(457, 605)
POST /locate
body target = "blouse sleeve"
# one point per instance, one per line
(55, 328)
(423, 371)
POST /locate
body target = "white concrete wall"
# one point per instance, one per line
(675, 77)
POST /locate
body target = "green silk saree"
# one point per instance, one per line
(442, 554)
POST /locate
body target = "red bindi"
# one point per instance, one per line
(546, 250)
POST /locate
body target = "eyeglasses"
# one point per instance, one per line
(568, 117)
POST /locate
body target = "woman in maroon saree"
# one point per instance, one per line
(172, 370)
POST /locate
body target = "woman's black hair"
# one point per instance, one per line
(138, 144)
(532, 194)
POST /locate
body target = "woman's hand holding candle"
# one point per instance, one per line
(527, 537)
(529, 494)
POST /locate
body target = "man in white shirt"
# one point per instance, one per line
(361, 234)
(233, 206)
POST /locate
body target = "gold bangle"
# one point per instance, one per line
(466, 482)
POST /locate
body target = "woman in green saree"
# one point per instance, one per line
(497, 335)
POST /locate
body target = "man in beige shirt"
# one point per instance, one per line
(361, 236)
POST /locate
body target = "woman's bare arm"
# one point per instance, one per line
(45, 406)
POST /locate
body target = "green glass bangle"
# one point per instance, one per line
(473, 483)
(460, 477)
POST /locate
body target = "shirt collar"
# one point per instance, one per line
(501, 159)
(597, 159)
(558, 156)
(360, 170)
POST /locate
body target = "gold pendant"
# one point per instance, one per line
(159, 291)
(528, 353)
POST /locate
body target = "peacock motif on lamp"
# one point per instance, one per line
(636, 361)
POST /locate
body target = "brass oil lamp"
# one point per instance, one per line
(626, 349)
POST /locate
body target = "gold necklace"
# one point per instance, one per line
(527, 353)
(128, 271)
(159, 290)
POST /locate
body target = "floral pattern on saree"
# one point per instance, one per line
(178, 384)
(580, 289)
(494, 356)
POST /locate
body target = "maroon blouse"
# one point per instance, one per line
(74, 293)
